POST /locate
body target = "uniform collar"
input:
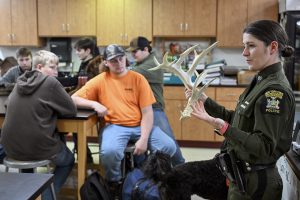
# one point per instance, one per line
(268, 70)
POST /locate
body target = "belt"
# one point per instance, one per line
(248, 168)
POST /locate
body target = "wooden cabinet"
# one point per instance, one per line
(228, 98)
(234, 15)
(262, 9)
(195, 18)
(67, 17)
(232, 18)
(119, 21)
(190, 128)
(18, 23)
(193, 129)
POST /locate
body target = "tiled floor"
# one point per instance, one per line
(190, 154)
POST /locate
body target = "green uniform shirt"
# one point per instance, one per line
(155, 78)
(262, 124)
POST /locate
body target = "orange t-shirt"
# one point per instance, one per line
(124, 97)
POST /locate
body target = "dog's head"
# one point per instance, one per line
(157, 165)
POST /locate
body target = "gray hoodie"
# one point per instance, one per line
(10, 77)
(29, 129)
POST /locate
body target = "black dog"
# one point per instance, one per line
(202, 178)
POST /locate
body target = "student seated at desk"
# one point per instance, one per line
(124, 98)
(24, 59)
(29, 129)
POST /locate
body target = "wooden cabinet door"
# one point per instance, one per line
(262, 9)
(232, 19)
(195, 129)
(5, 21)
(137, 19)
(228, 98)
(24, 23)
(200, 17)
(18, 23)
(172, 110)
(168, 17)
(110, 22)
(52, 19)
(67, 17)
(81, 17)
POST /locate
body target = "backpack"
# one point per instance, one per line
(94, 188)
(138, 187)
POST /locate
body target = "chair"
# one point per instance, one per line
(11, 163)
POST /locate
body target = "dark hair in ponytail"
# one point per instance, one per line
(269, 31)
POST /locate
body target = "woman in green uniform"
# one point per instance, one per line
(259, 131)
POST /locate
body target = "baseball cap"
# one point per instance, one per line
(138, 43)
(112, 51)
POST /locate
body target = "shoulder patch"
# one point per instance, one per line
(273, 102)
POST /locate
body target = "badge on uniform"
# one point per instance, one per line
(273, 102)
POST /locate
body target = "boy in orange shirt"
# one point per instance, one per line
(124, 98)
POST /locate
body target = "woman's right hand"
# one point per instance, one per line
(188, 93)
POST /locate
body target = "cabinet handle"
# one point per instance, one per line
(63, 27)
(13, 37)
(126, 37)
(121, 36)
(181, 26)
(68, 27)
(186, 26)
(9, 37)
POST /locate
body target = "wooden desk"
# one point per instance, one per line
(15, 186)
(82, 124)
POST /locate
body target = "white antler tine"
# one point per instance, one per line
(207, 50)
(165, 58)
(185, 54)
(163, 65)
(194, 64)
(156, 61)
(203, 88)
(189, 50)
(199, 79)
(198, 57)
(159, 66)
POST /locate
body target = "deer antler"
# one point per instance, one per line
(175, 67)
(186, 77)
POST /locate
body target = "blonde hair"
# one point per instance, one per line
(44, 57)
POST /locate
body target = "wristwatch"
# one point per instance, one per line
(221, 131)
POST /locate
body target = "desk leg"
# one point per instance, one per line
(81, 153)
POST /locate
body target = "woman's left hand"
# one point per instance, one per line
(200, 112)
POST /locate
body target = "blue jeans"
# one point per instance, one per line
(161, 120)
(64, 162)
(114, 139)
